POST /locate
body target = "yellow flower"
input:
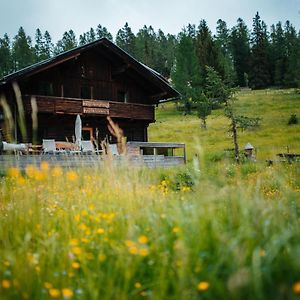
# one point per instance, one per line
(67, 293)
(31, 170)
(56, 172)
(101, 257)
(100, 230)
(129, 243)
(71, 175)
(6, 284)
(75, 265)
(54, 293)
(6, 263)
(296, 287)
(77, 217)
(76, 250)
(137, 285)
(144, 252)
(73, 242)
(47, 285)
(44, 166)
(176, 229)
(13, 172)
(143, 239)
(133, 250)
(203, 286)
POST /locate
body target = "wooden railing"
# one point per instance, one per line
(59, 105)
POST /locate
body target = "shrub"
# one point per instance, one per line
(293, 120)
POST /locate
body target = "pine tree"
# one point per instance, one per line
(206, 50)
(145, 45)
(222, 42)
(102, 32)
(278, 54)
(67, 42)
(22, 51)
(6, 65)
(125, 39)
(259, 76)
(48, 45)
(292, 42)
(240, 49)
(42, 45)
(185, 73)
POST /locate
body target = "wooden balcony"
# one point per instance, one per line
(85, 107)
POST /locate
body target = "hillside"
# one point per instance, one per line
(274, 107)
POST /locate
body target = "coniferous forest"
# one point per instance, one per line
(258, 57)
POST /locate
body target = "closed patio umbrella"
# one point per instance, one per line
(78, 130)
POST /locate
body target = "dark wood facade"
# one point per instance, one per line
(95, 81)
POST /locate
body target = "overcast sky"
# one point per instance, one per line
(58, 16)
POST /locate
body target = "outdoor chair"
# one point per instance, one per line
(49, 147)
(87, 147)
(113, 149)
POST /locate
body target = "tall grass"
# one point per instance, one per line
(224, 232)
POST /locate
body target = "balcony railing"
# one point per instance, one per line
(86, 107)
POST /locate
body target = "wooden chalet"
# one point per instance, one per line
(95, 81)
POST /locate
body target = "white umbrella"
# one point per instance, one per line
(78, 130)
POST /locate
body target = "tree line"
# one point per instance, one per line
(256, 58)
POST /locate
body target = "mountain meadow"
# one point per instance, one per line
(211, 229)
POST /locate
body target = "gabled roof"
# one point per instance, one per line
(143, 70)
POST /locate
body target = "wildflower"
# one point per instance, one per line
(137, 285)
(185, 189)
(144, 252)
(73, 242)
(101, 257)
(75, 265)
(296, 287)
(6, 263)
(133, 250)
(13, 172)
(71, 175)
(67, 293)
(44, 166)
(203, 286)
(30, 170)
(100, 230)
(48, 285)
(6, 284)
(76, 250)
(129, 243)
(83, 227)
(54, 293)
(56, 172)
(143, 239)
(77, 217)
(176, 229)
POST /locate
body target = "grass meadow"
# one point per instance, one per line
(208, 230)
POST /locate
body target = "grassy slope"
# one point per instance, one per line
(274, 107)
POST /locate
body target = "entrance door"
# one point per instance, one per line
(87, 133)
